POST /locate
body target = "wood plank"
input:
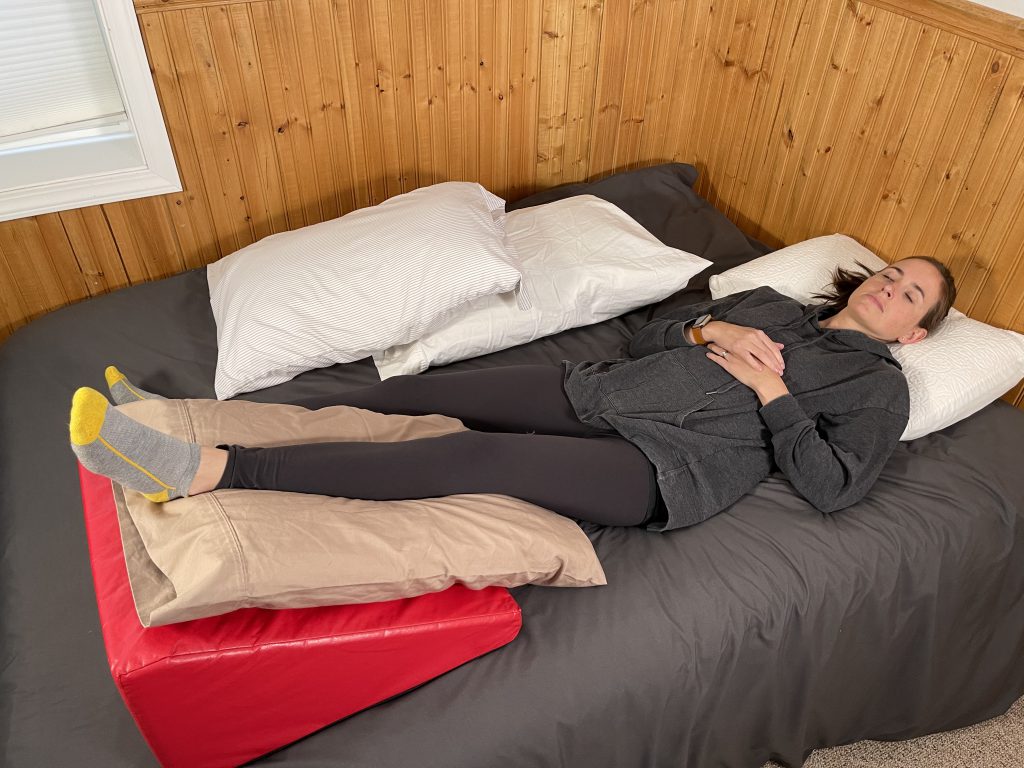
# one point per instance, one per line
(581, 97)
(552, 109)
(988, 26)
(841, 64)
(93, 243)
(929, 132)
(190, 209)
(437, 89)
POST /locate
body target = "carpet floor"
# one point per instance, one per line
(995, 743)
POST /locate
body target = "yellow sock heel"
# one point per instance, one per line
(88, 410)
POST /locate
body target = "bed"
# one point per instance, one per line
(763, 633)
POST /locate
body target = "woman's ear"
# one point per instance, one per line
(913, 337)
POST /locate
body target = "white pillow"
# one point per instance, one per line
(962, 366)
(343, 289)
(583, 260)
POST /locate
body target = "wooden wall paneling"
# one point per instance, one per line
(489, 90)
(67, 269)
(360, 37)
(994, 185)
(610, 83)
(963, 18)
(310, 35)
(854, 142)
(939, 88)
(942, 169)
(404, 134)
(93, 244)
(973, 168)
(14, 312)
(985, 181)
(998, 296)
(760, 153)
(352, 108)
(798, 114)
(437, 89)
(454, 87)
(233, 54)
(154, 247)
(336, 109)
(523, 97)
(553, 109)
(668, 40)
(581, 95)
(208, 115)
(704, 138)
(744, 59)
(283, 54)
(196, 129)
(255, 131)
(841, 63)
(498, 146)
(32, 273)
(643, 23)
(470, 87)
(190, 209)
(685, 106)
(896, 102)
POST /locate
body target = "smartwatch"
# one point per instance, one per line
(699, 323)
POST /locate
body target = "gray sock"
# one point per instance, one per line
(110, 443)
(123, 391)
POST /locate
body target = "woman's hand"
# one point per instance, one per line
(764, 381)
(751, 345)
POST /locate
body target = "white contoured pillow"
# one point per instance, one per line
(344, 289)
(962, 366)
(583, 260)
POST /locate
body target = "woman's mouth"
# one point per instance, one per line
(875, 299)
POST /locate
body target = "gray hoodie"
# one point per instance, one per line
(709, 437)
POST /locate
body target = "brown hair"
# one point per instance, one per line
(846, 281)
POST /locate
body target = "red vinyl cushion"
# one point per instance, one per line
(223, 690)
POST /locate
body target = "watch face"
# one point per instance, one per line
(702, 321)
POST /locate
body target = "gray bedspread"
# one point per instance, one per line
(765, 632)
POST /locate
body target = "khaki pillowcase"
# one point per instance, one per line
(216, 552)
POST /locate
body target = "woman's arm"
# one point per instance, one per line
(834, 463)
(669, 332)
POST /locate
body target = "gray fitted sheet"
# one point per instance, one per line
(767, 631)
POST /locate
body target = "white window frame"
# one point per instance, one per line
(156, 176)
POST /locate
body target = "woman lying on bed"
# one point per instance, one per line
(708, 402)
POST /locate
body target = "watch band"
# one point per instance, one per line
(698, 337)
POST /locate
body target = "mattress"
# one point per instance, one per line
(764, 632)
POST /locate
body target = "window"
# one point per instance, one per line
(80, 123)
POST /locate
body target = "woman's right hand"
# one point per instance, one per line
(751, 344)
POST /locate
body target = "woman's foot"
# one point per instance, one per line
(123, 391)
(110, 443)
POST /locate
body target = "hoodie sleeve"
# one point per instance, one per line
(833, 463)
(669, 332)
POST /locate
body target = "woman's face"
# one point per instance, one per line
(890, 304)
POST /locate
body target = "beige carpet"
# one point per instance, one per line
(995, 743)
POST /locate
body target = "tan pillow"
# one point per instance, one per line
(220, 551)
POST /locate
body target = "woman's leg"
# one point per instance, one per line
(605, 480)
(515, 398)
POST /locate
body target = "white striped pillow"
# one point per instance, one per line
(343, 289)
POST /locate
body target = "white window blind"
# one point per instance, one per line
(80, 123)
(55, 67)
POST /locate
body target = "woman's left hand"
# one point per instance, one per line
(765, 382)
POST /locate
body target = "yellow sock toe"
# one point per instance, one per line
(88, 410)
(113, 375)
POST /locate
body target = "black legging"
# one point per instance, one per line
(524, 441)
